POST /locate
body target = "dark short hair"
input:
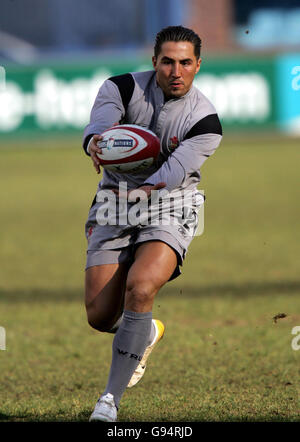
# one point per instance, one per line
(177, 33)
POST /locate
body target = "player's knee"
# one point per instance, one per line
(99, 325)
(139, 292)
(98, 322)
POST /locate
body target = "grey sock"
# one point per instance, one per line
(128, 347)
(117, 324)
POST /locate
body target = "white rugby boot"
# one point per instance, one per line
(140, 370)
(105, 409)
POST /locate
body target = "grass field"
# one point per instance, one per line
(223, 357)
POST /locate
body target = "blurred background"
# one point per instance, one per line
(57, 53)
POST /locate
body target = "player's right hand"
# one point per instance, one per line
(93, 149)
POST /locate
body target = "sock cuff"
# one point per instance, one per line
(137, 315)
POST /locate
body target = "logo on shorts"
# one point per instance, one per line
(182, 231)
(173, 144)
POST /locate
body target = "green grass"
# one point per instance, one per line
(223, 358)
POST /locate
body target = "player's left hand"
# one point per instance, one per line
(141, 193)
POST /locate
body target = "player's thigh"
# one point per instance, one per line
(153, 266)
(104, 289)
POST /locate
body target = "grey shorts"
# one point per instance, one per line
(112, 244)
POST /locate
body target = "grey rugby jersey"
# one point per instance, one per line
(188, 127)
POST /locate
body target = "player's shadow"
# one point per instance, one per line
(31, 417)
(264, 288)
(4, 417)
(83, 417)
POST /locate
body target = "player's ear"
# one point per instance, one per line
(198, 65)
(154, 61)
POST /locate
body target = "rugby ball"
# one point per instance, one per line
(128, 148)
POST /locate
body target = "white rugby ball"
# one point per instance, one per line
(128, 148)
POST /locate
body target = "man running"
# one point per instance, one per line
(128, 264)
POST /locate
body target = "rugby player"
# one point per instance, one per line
(127, 265)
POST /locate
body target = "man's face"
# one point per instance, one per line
(176, 67)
